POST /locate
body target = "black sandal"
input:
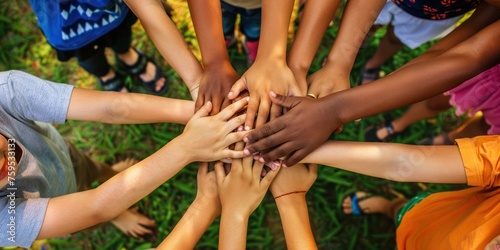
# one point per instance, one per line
(369, 75)
(371, 133)
(117, 83)
(139, 68)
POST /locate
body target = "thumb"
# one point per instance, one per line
(204, 111)
(236, 89)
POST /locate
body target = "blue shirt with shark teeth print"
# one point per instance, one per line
(72, 24)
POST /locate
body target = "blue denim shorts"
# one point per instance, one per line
(250, 20)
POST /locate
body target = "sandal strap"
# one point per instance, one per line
(114, 84)
(151, 85)
(139, 67)
(355, 200)
(390, 129)
(370, 74)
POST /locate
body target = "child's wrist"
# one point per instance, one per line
(207, 206)
(292, 198)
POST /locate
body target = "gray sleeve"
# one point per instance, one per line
(30, 98)
(21, 224)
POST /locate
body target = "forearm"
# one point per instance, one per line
(421, 80)
(233, 230)
(167, 39)
(114, 196)
(191, 227)
(207, 20)
(398, 162)
(483, 16)
(357, 20)
(127, 108)
(315, 20)
(276, 16)
(295, 220)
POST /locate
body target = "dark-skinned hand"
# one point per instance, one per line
(215, 84)
(307, 124)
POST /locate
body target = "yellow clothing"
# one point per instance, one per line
(465, 219)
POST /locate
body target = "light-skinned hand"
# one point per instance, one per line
(215, 85)
(307, 124)
(326, 81)
(494, 244)
(297, 178)
(259, 79)
(207, 193)
(208, 137)
(242, 190)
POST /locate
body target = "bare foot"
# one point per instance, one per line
(370, 205)
(374, 204)
(150, 74)
(122, 165)
(133, 223)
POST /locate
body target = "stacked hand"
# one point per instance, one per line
(242, 190)
(214, 86)
(259, 79)
(307, 124)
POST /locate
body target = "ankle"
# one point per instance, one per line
(130, 57)
(110, 75)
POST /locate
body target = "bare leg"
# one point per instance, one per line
(416, 112)
(474, 126)
(389, 46)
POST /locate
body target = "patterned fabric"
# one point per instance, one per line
(71, 24)
(437, 10)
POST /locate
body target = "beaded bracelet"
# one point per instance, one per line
(294, 192)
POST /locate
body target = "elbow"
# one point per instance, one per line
(115, 108)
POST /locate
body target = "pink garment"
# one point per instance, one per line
(480, 93)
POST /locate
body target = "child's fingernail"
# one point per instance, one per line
(247, 128)
(274, 166)
(273, 94)
(261, 160)
(240, 128)
(247, 98)
(245, 139)
(230, 94)
(246, 151)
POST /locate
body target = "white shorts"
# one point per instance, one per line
(413, 31)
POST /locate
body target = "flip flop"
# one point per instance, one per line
(356, 209)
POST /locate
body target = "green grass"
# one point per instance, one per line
(24, 48)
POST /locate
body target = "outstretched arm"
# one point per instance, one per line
(212, 135)
(289, 189)
(127, 108)
(313, 24)
(168, 41)
(219, 75)
(317, 118)
(397, 162)
(356, 21)
(199, 216)
(484, 15)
